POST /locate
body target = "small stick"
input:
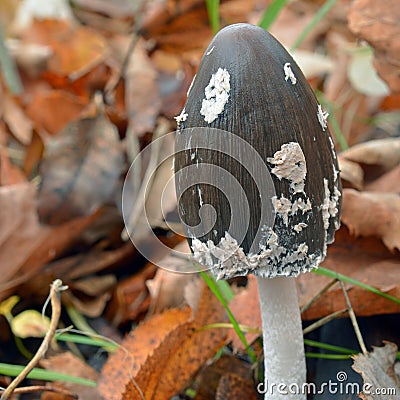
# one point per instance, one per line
(34, 389)
(354, 320)
(324, 321)
(55, 288)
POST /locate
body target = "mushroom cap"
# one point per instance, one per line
(257, 177)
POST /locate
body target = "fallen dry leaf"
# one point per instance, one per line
(182, 353)
(212, 378)
(245, 306)
(75, 49)
(69, 364)
(90, 295)
(378, 373)
(126, 362)
(351, 174)
(61, 108)
(18, 123)
(9, 173)
(20, 232)
(364, 259)
(142, 94)
(377, 23)
(373, 214)
(384, 153)
(234, 387)
(80, 170)
(131, 298)
(387, 183)
(167, 290)
(25, 245)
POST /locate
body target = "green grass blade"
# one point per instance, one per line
(213, 14)
(80, 339)
(329, 347)
(42, 374)
(335, 275)
(328, 356)
(212, 284)
(225, 290)
(271, 13)
(319, 15)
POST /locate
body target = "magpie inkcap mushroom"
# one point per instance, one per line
(251, 121)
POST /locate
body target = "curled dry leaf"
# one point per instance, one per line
(30, 323)
(351, 173)
(382, 155)
(373, 214)
(377, 23)
(378, 373)
(80, 170)
(90, 295)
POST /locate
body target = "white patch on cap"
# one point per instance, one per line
(299, 227)
(290, 164)
(216, 95)
(289, 74)
(330, 204)
(181, 117)
(285, 208)
(322, 117)
(227, 259)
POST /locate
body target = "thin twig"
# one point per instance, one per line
(34, 389)
(55, 288)
(324, 321)
(354, 320)
(317, 296)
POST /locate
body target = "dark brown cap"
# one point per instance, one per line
(252, 132)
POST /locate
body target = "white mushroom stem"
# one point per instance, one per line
(284, 359)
